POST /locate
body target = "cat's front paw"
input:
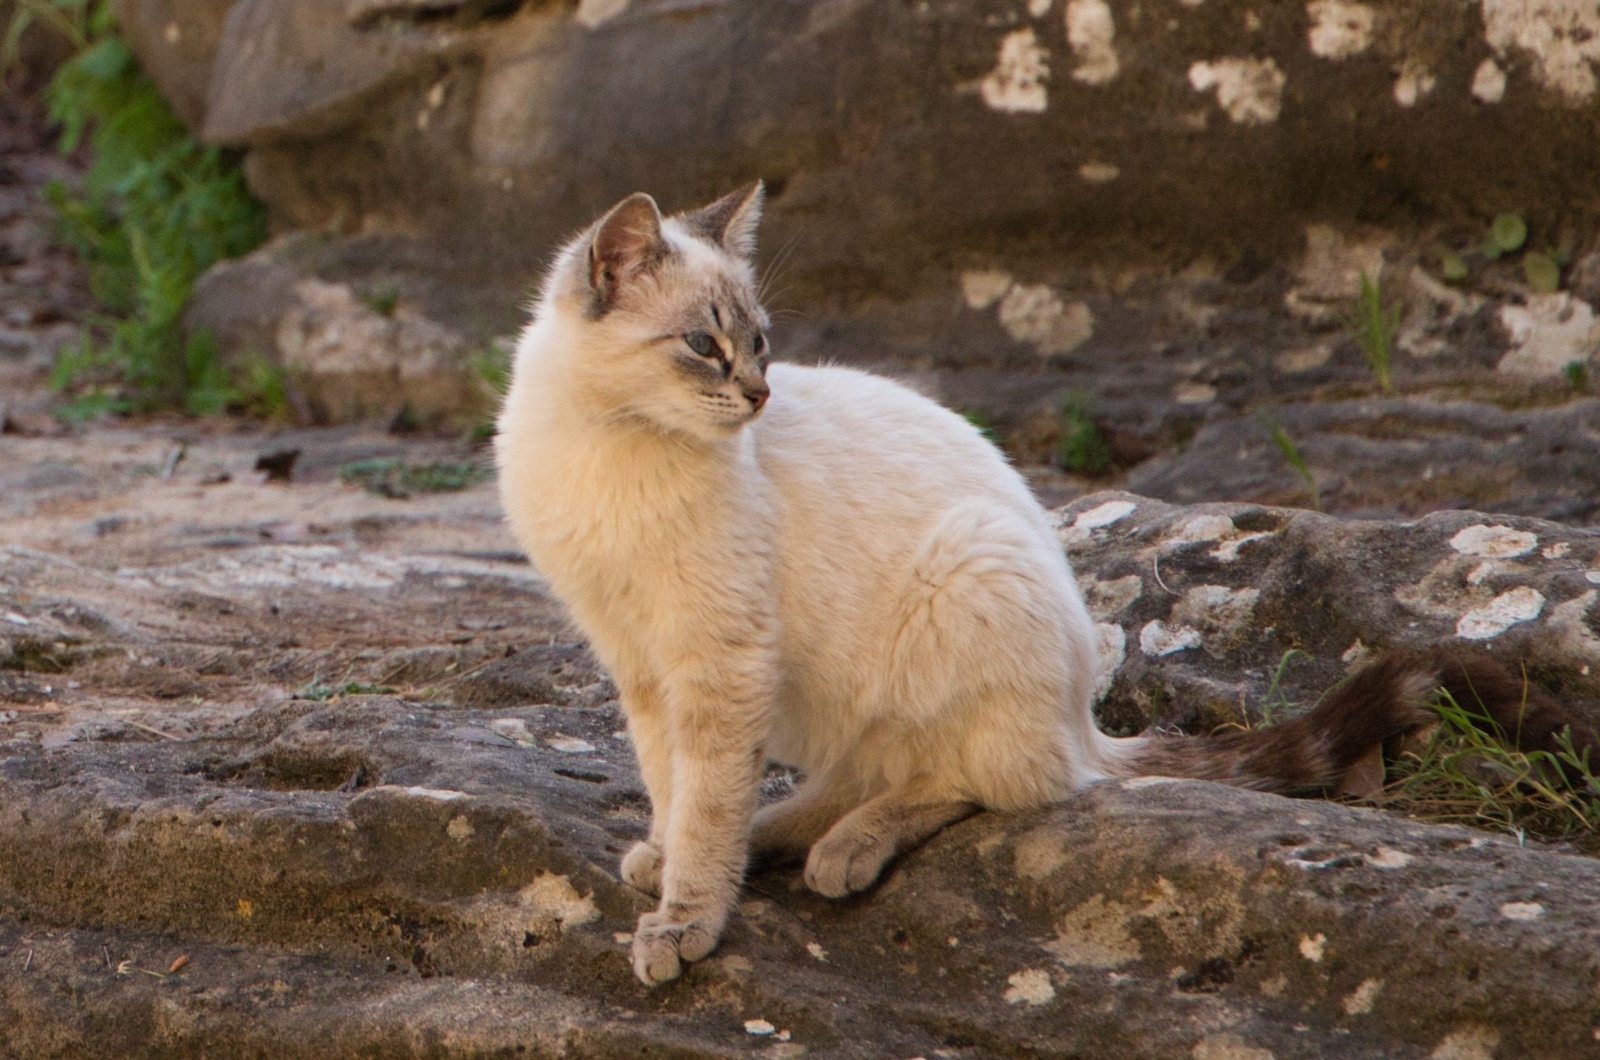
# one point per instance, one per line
(641, 868)
(664, 942)
(843, 862)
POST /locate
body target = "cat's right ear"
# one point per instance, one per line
(627, 241)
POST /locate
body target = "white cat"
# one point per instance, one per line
(846, 578)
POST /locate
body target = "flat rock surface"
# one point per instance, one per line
(343, 752)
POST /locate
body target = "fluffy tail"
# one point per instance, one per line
(1338, 745)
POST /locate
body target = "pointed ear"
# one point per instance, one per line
(731, 221)
(626, 242)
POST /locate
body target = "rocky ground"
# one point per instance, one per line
(293, 768)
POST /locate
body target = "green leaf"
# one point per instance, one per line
(1452, 266)
(1541, 271)
(1508, 232)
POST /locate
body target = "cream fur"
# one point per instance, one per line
(853, 582)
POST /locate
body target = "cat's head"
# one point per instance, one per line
(667, 309)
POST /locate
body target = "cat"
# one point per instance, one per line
(820, 567)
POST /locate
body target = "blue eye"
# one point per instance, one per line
(703, 344)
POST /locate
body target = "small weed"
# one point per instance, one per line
(79, 22)
(1542, 271)
(980, 419)
(1468, 774)
(398, 479)
(1081, 446)
(1507, 233)
(1276, 699)
(492, 366)
(1291, 453)
(323, 692)
(1577, 373)
(1374, 328)
(383, 299)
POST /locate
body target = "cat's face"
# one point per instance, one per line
(680, 338)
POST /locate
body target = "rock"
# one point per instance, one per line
(357, 871)
(176, 42)
(1387, 456)
(347, 357)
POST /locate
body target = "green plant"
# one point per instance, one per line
(1080, 445)
(1542, 271)
(155, 210)
(398, 479)
(1469, 774)
(1291, 453)
(1577, 373)
(1507, 233)
(1375, 328)
(981, 420)
(383, 299)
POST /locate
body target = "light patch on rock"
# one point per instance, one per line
(1332, 268)
(1362, 998)
(1039, 853)
(1112, 644)
(1038, 8)
(1109, 598)
(1561, 36)
(1216, 610)
(515, 730)
(572, 745)
(1090, 32)
(982, 289)
(1136, 783)
(1547, 334)
(1522, 910)
(1495, 542)
(460, 829)
(1095, 935)
(431, 794)
(1592, 577)
(1312, 947)
(1510, 608)
(759, 1028)
(1250, 91)
(1156, 640)
(1105, 514)
(1488, 82)
(1414, 81)
(1099, 172)
(593, 13)
(1389, 858)
(1035, 315)
(1016, 85)
(1339, 28)
(1194, 393)
(1477, 575)
(1228, 1047)
(1570, 634)
(1469, 1043)
(816, 951)
(1296, 361)
(1030, 986)
(555, 897)
(1204, 527)
(1356, 654)
(1228, 550)
(1275, 986)
(1555, 551)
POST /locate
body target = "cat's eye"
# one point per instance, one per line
(761, 344)
(702, 343)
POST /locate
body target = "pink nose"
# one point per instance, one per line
(757, 395)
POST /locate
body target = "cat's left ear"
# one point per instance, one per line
(732, 220)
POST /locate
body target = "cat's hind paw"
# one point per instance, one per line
(662, 944)
(641, 868)
(843, 862)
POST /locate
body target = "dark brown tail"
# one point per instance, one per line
(1338, 745)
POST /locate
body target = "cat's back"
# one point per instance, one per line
(841, 437)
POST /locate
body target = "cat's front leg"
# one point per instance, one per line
(717, 732)
(652, 743)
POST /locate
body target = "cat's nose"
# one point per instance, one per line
(757, 394)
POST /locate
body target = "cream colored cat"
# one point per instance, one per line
(846, 578)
